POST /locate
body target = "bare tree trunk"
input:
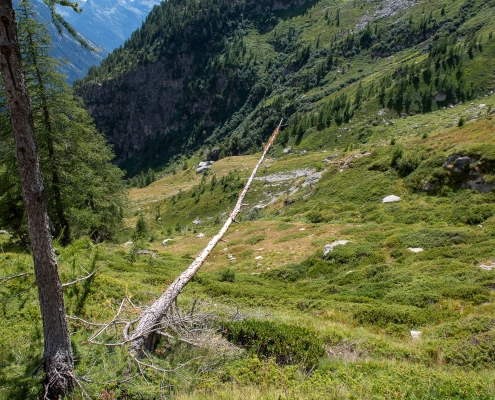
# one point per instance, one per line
(144, 335)
(58, 359)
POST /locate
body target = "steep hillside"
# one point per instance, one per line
(219, 74)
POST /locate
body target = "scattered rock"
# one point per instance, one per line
(203, 166)
(331, 157)
(416, 334)
(287, 150)
(197, 221)
(329, 247)
(147, 253)
(201, 235)
(231, 258)
(166, 242)
(285, 176)
(470, 175)
(312, 179)
(482, 106)
(391, 199)
(487, 267)
(416, 249)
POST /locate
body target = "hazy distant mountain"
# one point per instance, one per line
(109, 22)
(79, 60)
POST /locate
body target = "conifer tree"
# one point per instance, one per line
(85, 192)
(84, 189)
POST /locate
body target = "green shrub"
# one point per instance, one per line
(476, 351)
(429, 238)
(315, 217)
(289, 273)
(227, 275)
(287, 344)
(471, 293)
(142, 229)
(255, 239)
(473, 215)
(384, 315)
(407, 164)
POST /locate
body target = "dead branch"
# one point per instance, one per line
(143, 335)
(80, 279)
(8, 278)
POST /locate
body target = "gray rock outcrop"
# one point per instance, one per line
(203, 166)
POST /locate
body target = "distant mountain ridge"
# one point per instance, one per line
(65, 47)
(109, 22)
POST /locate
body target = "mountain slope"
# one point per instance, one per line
(109, 23)
(220, 74)
(65, 47)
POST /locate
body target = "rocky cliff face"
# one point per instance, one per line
(144, 104)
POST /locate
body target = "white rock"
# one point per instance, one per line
(329, 247)
(258, 258)
(2, 232)
(203, 166)
(201, 235)
(482, 105)
(415, 249)
(197, 221)
(487, 267)
(128, 243)
(415, 334)
(287, 150)
(391, 199)
(302, 229)
(166, 241)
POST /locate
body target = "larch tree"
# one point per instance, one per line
(58, 358)
(91, 191)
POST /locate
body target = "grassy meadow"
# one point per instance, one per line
(349, 317)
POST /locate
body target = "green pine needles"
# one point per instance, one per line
(85, 192)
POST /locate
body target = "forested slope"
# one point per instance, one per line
(220, 74)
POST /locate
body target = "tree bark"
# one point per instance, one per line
(144, 336)
(58, 360)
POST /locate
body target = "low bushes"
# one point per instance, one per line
(287, 344)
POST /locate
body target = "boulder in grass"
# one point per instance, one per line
(203, 166)
(391, 199)
(415, 249)
(415, 334)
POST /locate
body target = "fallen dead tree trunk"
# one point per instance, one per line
(145, 335)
